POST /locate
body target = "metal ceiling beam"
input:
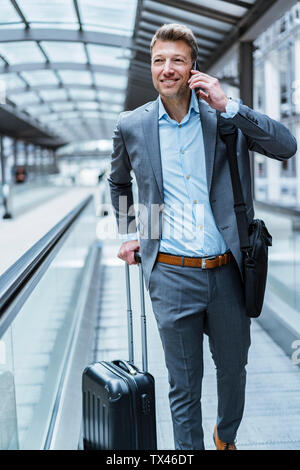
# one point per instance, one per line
(43, 51)
(96, 119)
(4, 60)
(23, 80)
(31, 67)
(201, 40)
(19, 90)
(270, 17)
(239, 3)
(199, 33)
(259, 8)
(73, 101)
(96, 115)
(143, 57)
(65, 35)
(102, 123)
(81, 110)
(145, 35)
(76, 7)
(100, 118)
(15, 123)
(159, 19)
(19, 12)
(142, 49)
(198, 10)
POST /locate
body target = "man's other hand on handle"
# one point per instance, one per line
(127, 249)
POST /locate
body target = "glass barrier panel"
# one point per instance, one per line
(284, 256)
(40, 336)
(8, 412)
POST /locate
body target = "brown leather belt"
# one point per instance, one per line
(204, 263)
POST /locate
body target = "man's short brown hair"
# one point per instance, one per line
(176, 32)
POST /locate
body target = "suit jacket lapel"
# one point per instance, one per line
(151, 134)
(209, 128)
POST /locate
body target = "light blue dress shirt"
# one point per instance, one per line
(189, 228)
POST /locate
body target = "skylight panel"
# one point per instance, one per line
(76, 77)
(61, 107)
(35, 111)
(110, 56)
(11, 81)
(21, 52)
(117, 16)
(24, 99)
(8, 13)
(112, 97)
(49, 11)
(58, 51)
(40, 77)
(90, 105)
(53, 95)
(114, 81)
(82, 94)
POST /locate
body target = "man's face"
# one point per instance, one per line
(171, 65)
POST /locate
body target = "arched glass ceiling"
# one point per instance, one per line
(65, 62)
(69, 63)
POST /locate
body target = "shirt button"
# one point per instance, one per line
(194, 201)
(201, 227)
(182, 151)
(179, 125)
(187, 177)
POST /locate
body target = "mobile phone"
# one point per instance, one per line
(196, 67)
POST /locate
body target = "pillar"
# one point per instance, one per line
(246, 88)
(272, 109)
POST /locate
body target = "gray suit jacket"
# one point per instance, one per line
(136, 147)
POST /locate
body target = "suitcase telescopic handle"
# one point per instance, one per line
(138, 259)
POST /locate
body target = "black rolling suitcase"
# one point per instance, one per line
(118, 398)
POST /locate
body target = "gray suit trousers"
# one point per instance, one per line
(188, 302)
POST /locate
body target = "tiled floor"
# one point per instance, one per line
(272, 411)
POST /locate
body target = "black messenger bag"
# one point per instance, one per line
(254, 237)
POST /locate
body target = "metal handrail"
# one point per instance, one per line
(274, 207)
(15, 279)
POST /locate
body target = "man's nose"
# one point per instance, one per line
(168, 68)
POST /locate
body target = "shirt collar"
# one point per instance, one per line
(193, 105)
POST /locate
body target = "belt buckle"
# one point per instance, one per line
(203, 261)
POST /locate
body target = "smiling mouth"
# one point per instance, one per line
(170, 82)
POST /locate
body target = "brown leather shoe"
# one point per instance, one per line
(220, 445)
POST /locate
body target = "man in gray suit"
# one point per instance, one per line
(188, 235)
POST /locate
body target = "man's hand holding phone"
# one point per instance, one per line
(209, 89)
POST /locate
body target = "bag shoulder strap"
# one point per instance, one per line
(228, 133)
